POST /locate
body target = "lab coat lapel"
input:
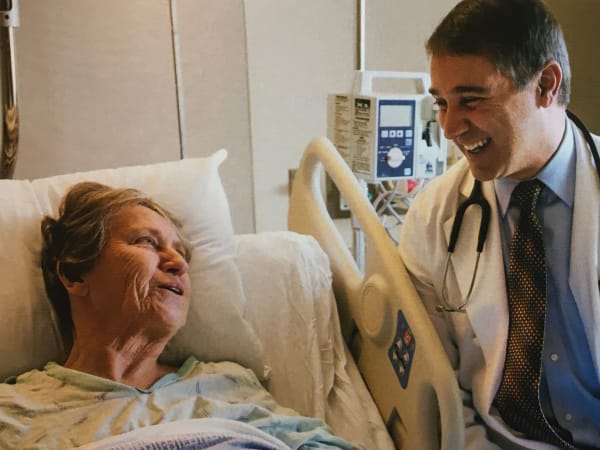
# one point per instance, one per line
(487, 310)
(585, 249)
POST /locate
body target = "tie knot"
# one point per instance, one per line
(526, 194)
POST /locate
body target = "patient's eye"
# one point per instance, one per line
(146, 241)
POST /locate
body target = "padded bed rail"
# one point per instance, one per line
(395, 345)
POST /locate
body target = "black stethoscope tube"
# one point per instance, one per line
(588, 138)
(476, 197)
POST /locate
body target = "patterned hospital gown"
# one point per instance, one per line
(59, 408)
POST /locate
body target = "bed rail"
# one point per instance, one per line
(395, 345)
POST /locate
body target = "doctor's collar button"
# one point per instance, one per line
(554, 357)
(568, 417)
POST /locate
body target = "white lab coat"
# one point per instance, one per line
(476, 340)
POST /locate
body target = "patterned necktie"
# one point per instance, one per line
(517, 399)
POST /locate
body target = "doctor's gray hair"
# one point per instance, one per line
(519, 36)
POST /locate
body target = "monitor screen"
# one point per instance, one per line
(395, 115)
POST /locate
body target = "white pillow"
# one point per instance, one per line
(192, 191)
(287, 281)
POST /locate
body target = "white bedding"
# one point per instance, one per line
(285, 276)
(290, 302)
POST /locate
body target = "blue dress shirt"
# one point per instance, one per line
(570, 394)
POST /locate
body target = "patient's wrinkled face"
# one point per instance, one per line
(140, 282)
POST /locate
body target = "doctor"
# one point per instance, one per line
(500, 75)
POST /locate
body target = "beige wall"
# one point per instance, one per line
(97, 82)
(97, 88)
(298, 52)
(97, 85)
(397, 30)
(399, 33)
(215, 79)
(579, 21)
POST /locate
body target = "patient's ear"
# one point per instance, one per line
(75, 285)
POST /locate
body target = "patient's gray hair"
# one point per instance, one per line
(73, 241)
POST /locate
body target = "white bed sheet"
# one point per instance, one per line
(290, 303)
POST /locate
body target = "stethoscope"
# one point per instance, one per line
(476, 198)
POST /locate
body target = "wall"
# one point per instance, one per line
(402, 28)
(94, 81)
(97, 85)
(97, 82)
(214, 67)
(298, 52)
(97, 88)
(578, 20)
(397, 31)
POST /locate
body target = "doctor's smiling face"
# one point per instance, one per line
(495, 125)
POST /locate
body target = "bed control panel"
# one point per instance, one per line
(402, 350)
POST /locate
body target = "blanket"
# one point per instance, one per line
(191, 434)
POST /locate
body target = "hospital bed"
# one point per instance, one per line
(393, 342)
(265, 301)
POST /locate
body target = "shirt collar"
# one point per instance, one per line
(558, 175)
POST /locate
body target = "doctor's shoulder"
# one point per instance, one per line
(442, 193)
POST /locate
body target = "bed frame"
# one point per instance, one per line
(384, 322)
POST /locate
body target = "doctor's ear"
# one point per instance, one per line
(548, 83)
(72, 281)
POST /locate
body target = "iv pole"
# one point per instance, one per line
(9, 19)
(358, 238)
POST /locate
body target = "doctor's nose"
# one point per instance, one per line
(453, 122)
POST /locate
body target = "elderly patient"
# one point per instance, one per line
(116, 270)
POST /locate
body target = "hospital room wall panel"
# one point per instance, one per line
(288, 43)
(212, 42)
(95, 85)
(579, 22)
(298, 52)
(396, 32)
